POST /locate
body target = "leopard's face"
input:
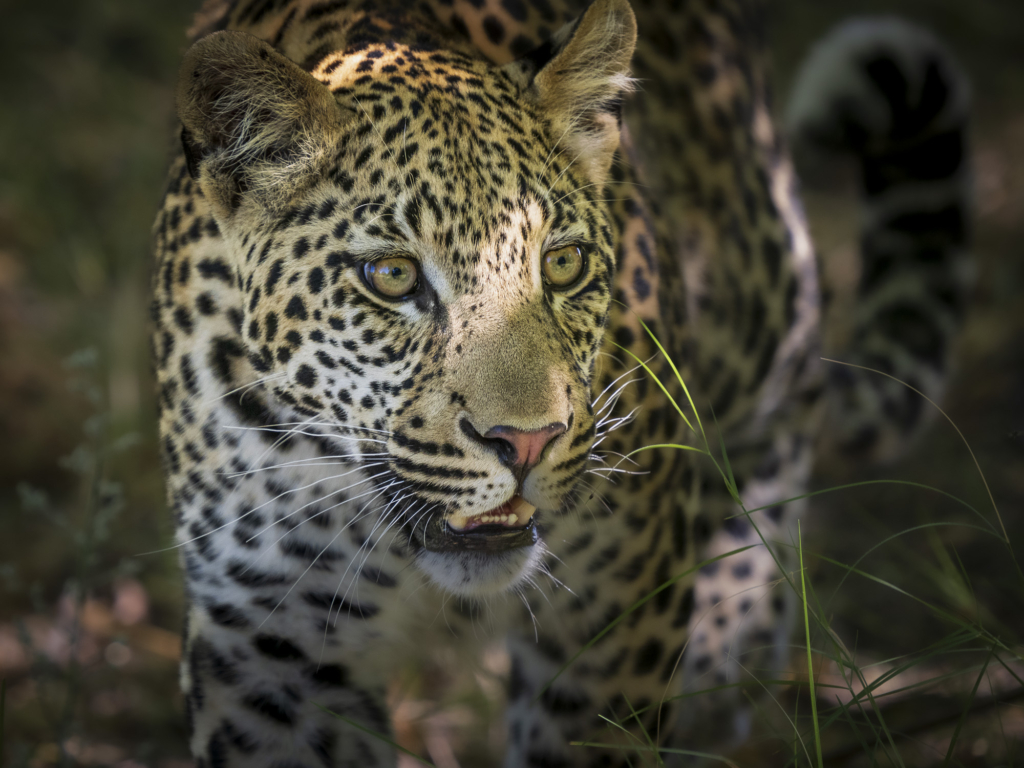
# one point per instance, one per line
(446, 295)
(433, 297)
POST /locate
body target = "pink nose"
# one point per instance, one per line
(524, 447)
(517, 449)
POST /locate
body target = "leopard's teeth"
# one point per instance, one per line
(519, 515)
(458, 523)
(522, 510)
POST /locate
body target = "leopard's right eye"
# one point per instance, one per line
(563, 266)
(393, 277)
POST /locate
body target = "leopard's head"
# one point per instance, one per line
(426, 260)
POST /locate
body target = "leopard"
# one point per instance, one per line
(499, 321)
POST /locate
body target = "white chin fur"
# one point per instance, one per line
(474, 574)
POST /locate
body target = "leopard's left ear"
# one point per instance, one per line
(256, 127)
(578, 79)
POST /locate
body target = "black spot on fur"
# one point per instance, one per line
(278, 648)
(306, 376)
(648, 656)
(329, 675)
(296, 309)
(494, 29)
(227, 616)
(271, 707)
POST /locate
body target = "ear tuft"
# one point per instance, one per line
(579, 79)
(255, 125)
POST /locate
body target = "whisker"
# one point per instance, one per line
(358, 516)
(317, 501)
(613, 424)
(377, 131)
(597, 470)
(622, 456)
(614, 382)
(616, 199)
(567, 167)
(612, 401)
(281, 440)
(356, 428)
(529, 610)
(387, 510)
(323, 421)
(299, 578)
(313, 461)
(300, 432)
(551, 153)
(358, 572)
(343, 575)
(257, 508)
(595, 494)
(244, 388)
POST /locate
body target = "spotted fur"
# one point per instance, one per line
(318, 434)
(891, 93)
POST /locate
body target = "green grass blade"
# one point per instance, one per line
(977, 465)
(379, 736)
(856, 731)
(905, 531)
(668, 750)
(675, 371)
(743, 684)
(981, 632)
(910, 483)
(967, 709)
(650, 742)
(1010, 670)
(885, 728)
(667, 445)
(889, 739)
(807, 637)
(730, 479)
(858, 698)
(612, 624)
(899, 590)
(660, 386)
(629, 734)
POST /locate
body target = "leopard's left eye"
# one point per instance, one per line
(393, 277)
(563, 266)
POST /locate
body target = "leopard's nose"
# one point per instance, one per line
(517, 449)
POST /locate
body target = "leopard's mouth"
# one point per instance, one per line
(514, 513)
(508, 526)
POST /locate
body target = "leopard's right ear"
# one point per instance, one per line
(257, 128)
(579, 78)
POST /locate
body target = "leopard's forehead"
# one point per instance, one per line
(455, 90)
(462, 121)
(441, 160)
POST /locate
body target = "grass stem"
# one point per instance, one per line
(810, 661)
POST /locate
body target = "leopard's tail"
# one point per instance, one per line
(890, 93)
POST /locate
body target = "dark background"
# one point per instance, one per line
(89, 624)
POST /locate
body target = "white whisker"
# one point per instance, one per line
(307, 434)
(314, 461)
(317, 501)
